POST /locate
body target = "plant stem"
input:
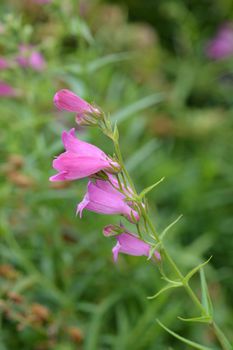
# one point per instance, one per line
(148, 223)
(175, 268)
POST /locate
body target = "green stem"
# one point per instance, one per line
(176, 269)
(148, 223)
(124, 170)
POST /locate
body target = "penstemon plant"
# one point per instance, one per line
(111, 190)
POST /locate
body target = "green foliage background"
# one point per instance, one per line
(145, 64)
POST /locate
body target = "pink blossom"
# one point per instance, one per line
(80, 160)
(222, 45)
(29, 57)
(128, 243)
(3, 63)
(103, 198)
(7, 90)
(66, 100)
(42, 1)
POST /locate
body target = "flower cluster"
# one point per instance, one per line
(106, 192)
(27, 57)
(221, 46)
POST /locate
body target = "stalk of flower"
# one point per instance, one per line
(110, 196)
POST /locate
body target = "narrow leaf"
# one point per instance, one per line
(195, 269)
(148, 189)
(145, 152)
(169, 227)
(169, 286)
(223, 340)
(137, 106)
(184, 340)
(103, 61)
(206, 301)
(201, 319)
(116, 133)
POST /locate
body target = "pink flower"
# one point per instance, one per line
(222, 45)
(66, 100)
(42, 1)
(7, 90)
(80, 160)
(103, 198)
(3, 63)
(128, 243)
(29, 57)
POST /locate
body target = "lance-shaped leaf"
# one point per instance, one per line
(169, 227)
(116, 132)
(206, 301)
(201, 319)
(184, 340)
(164, 289)
(148, 189)
(221, 336)
(196, 269)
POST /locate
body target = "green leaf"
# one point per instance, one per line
(169, 286)
(195, 269)
(169, 227)
(103, 61)
(201, 319)
(206, 301)
(184, 340)
(221, 336)
(141, 154)
(148, 189)
(137, 106)
(116, 133)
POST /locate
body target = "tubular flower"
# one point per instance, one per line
(128, 243)
(103, 198)
(222, 45)
(42, 1)
(80, 160)
(29, 57)
(66, 100)
(7, 90)
(3, 63)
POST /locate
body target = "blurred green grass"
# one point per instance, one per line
(174, 113)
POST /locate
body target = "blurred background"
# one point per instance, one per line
(164, 70)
